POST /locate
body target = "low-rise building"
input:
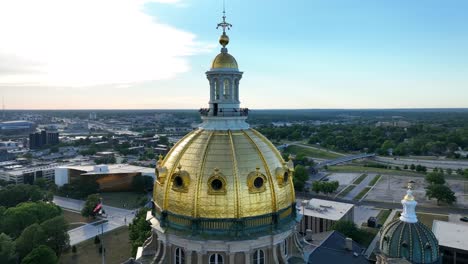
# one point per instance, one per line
(18, 174)
(112, 177)
(319, 215)
(453, 241)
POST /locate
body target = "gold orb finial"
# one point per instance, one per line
(224, 39)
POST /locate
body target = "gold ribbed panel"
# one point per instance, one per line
(235, 154)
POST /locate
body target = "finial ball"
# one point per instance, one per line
(224, 40)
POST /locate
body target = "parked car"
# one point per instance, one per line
(464, 219)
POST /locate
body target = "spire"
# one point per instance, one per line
(409, 205)
(224, 39)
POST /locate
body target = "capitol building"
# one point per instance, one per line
(223, 193)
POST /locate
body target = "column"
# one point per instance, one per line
(199, 257)
(188, 257)
(232, 257)
(247, 257)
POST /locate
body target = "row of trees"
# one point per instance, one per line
(325, 187)
(419, 139)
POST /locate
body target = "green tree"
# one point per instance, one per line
(139, 230)
(31, 237)
(56, 233)
(347, 228)
(40, 255)
(405, 167)
(15, 194)
(412, 167)
(91, 202)
(435, 178)
(449, 171)
(441, 192)
(7, 250)
(300, 177)
(16, 219)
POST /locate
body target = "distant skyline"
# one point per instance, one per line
(153, 54)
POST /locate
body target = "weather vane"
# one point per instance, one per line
(224, 24)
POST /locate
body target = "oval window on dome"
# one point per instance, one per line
(258, 182)
(285, 176)
(216, 184)
(178, 181)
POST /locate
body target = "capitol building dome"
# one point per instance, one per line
(223, 193)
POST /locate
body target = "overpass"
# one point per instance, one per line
(344, 160)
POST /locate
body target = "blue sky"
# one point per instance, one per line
(294, 54)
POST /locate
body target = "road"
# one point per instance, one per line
(445, 164)
(116, 217)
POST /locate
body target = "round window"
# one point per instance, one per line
(178, 182)
(286, 176)
(258, 182)
(216, 184)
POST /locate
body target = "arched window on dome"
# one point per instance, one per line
(216, 89)
(259, 257)
(226, 89)
(216, 259)
(179, 257)
(285, 247)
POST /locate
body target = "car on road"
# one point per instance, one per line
(464, 219)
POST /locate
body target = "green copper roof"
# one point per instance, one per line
(412, 241)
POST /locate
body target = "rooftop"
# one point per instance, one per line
(452, 235)
(332, 250)
(111, 168)
(325, 209)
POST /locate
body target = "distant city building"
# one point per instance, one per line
(114, 177)
(18, 174)
(93, 116)
(45, 137)
(453, 241)
(400, 123)
(319, 215)
(6, 155)
(9, 127)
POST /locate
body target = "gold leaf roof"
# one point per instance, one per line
(235, 157)
(224, 60)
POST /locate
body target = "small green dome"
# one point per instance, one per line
(412, 241)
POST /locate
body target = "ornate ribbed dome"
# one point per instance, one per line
(412, 241)
(223, 174)
(407, 238)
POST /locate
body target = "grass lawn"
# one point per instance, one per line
(346, 191)
(383, 215)
(360, 179)
(74, 219)
(311, 152)
(375, 180)
(362, 193)
(117, 246)
(127, 200)
(354, 168)
(427, 219)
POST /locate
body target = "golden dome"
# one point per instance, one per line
(224, 174)
(224, 60)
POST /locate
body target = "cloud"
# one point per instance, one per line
(88, 43)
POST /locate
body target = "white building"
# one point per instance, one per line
(319, 215)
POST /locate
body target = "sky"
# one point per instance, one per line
(310, 54)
